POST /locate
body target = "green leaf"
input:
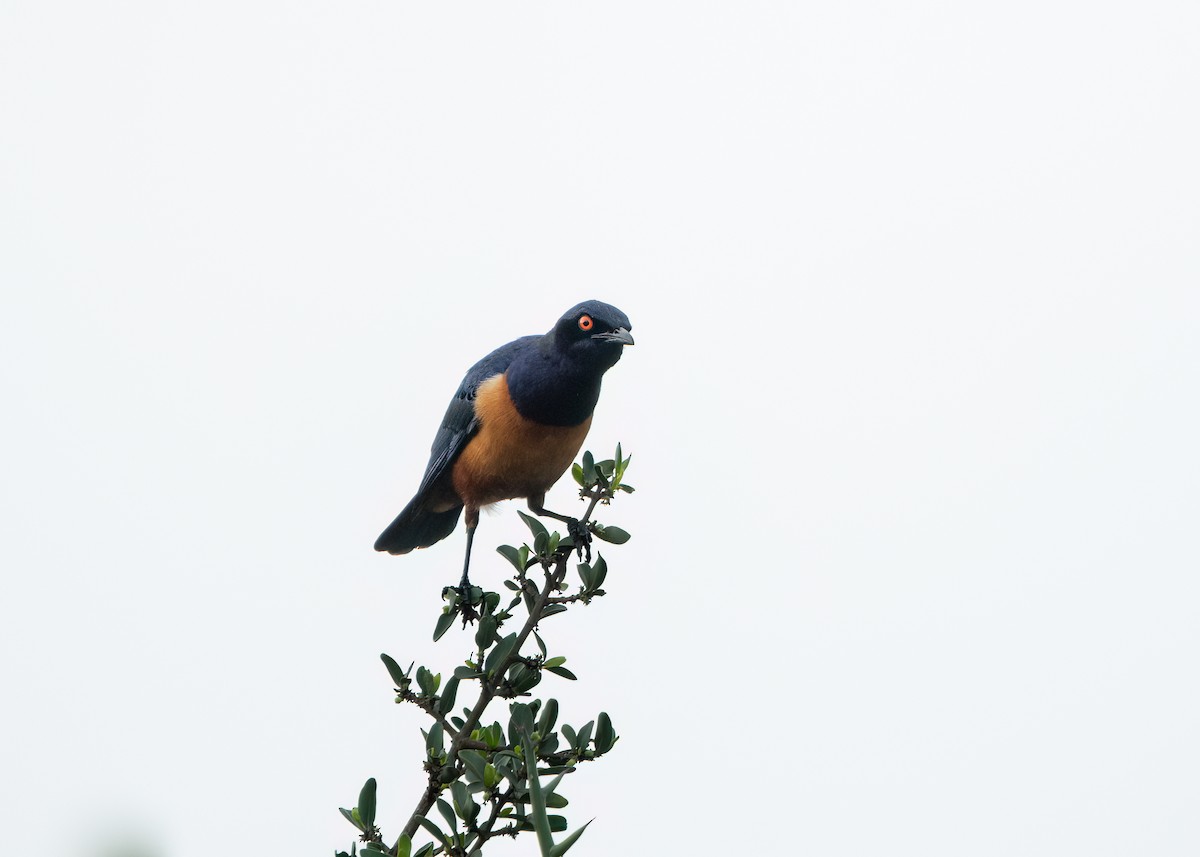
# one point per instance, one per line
(556, 661)
(475, 763)
(612, 535)
(511, 554)
(433, 829)
(550, 789)
(351, 817)
(589, 468)
(535, 526)
(529, 594)
(553, 610)
(446, 701)
(425, 681)
(491, 777)
(577, 474)
(486, 632)
(493, 736)
(443, 624)
(427, 849)
(366, 804)
(548, 745)
(447, 813)
(398, 676)
(541, 543)
(605, 736)
(585, 735)
(404, 846)
(568, 732)
(520, 722)
(561, 848)
(462, 800)
(522, 678)
(556, 801)
(564, 672)
(548, 716)
(372, 851)
(436, 740)
(537, 801)
(499, 654)
(599, 572)
(622, 465)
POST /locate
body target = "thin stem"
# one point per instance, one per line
(461, 738)
(486, 694)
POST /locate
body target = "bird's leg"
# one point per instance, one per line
(580, 535)
(464, 585)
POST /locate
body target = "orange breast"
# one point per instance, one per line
(512, 456)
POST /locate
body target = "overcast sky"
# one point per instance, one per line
(913, 411)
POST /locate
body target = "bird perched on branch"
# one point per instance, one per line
(513, 428)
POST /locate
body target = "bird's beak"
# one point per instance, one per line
(620, 335)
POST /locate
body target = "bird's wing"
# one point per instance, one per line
(459, 423)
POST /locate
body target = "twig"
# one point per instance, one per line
(486, 694)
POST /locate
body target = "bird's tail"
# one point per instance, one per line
(417, 527)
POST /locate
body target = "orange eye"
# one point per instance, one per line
(586, 323)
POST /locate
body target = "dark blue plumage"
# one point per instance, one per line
(556, 379)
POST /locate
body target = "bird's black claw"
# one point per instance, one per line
(468, 596)
(581, 538)
(465, 596)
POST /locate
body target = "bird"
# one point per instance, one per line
(513, 428)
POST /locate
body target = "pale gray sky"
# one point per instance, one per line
(913, 411)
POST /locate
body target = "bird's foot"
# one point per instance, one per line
(466, 597)
(581, 538)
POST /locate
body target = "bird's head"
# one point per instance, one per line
(593, 332)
